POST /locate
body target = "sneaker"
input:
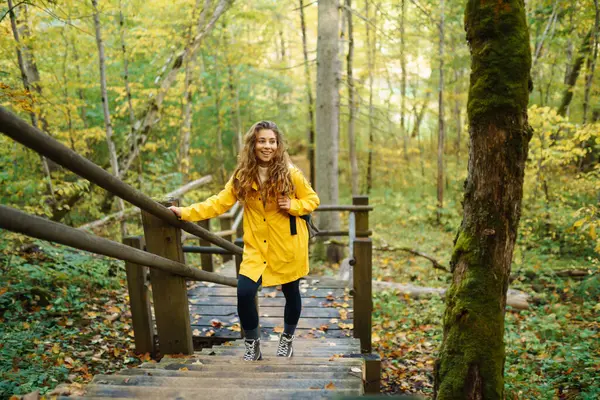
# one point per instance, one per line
(285, 348)
(252, 352)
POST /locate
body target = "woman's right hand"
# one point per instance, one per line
(176, 211)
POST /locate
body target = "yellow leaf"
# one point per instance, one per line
(184, 369)
(577, 224)
(330, 386)
(56, 348)
(593, 231)
(278, 329)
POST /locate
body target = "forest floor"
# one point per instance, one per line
(64, 314)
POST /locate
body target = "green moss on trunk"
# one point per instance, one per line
(471, 360)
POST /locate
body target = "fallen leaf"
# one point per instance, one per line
(271, 294)
(216, 323)
(197, 362)
(56, 348)
(334, 320)
(356, 369)
(196, 332)
(278, 329)
(184, 369)
(330, 386)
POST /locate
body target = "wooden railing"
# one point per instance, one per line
(162, 231)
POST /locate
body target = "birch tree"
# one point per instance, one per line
(327, 111)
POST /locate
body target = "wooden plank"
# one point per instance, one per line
(272, 359)
(169, 291)
(139, 301)
(227, 291)
(271, 311)
(271, 302)
(271, 322)
(363, 309)
(205, 259)
(246, 393)
(234, 368)
(224, 382)
(243, 373)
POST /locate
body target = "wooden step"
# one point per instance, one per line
(272, 373)
(225, 382)
(234, 359)
(268, 301)
(245, 393)
(249, 366)
(272, 311)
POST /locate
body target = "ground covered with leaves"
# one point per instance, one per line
(63, 318)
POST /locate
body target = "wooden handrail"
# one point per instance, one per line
(30, 225)
(339, 207)
(33, 138)
(344, 233)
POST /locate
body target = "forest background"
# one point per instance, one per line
(410, 73)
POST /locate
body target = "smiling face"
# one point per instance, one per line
(266, 145)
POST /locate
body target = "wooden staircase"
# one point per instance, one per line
(319, 369)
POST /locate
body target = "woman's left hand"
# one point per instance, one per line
(284, 203)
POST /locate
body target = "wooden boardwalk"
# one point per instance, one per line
(327, 310)
(320, 369)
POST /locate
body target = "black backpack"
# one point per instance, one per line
(312, 229)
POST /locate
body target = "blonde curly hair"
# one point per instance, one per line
(279, 179)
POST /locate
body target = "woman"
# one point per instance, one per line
(271, 190)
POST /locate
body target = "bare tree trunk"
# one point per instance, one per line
(472, 355)
(351, 103)
(311, 107)
(112, 153)
(370, 66)
(572, 77)
(126, 68)
(441, 128)
(30, 78)
(403, 81)
(186, 125)
(154, 108)
(540, 43)
(327, 110)
(591, 64)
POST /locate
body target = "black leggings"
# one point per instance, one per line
(246, 291)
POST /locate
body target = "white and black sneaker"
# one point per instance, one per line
(252, 352)
(285, 348)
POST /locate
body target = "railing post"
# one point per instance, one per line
(362, 217)
(363, 301)
(206, 259)
(362, 275)
(168, 290)
(139, 300)
(226, 226)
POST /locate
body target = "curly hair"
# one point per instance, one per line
(279, 180)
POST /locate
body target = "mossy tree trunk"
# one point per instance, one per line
(471, 360)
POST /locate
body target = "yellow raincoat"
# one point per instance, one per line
(270, 250)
